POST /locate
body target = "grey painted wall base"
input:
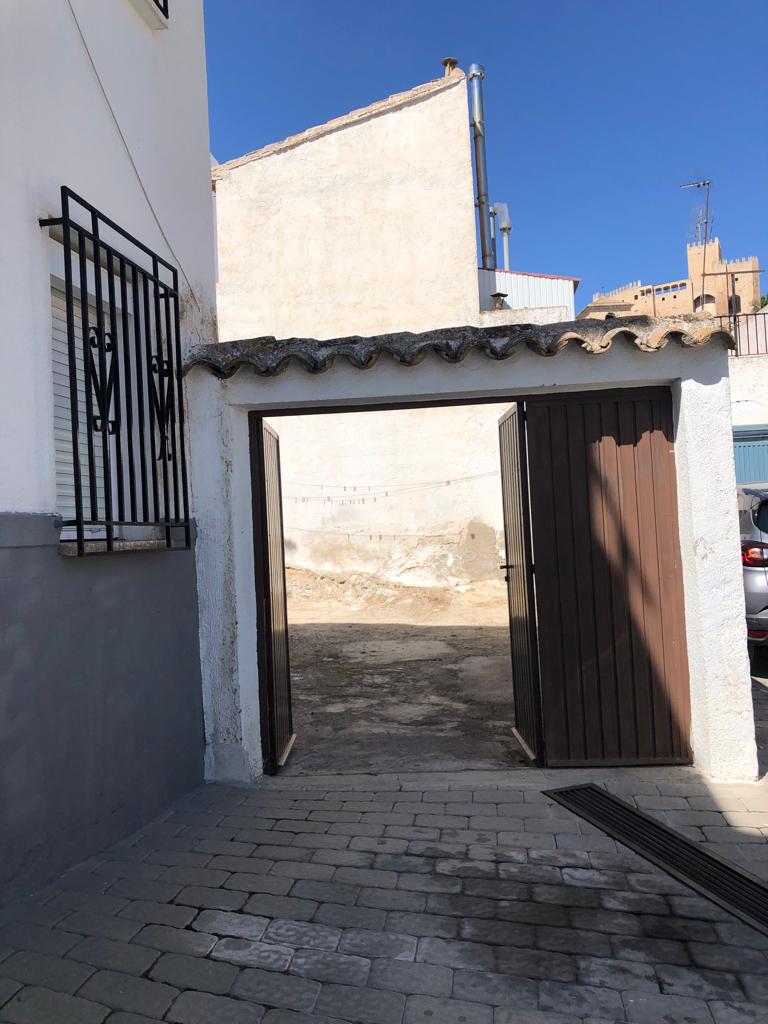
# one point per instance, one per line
(101, 721)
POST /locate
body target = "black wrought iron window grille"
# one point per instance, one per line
(162, 6)
(126, 407)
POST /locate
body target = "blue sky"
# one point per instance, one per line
(596, 110)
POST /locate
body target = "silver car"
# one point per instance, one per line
(753, 522)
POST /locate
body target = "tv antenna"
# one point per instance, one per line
(702, 229)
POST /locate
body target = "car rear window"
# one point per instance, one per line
(761, 517)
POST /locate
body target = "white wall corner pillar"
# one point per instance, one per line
(722, 720)
(221, 503)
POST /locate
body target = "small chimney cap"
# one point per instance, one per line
(450, 64)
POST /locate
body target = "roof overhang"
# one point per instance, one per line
(269, 356)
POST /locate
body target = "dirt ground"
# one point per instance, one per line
(387, 677)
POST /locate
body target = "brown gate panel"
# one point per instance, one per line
(277, 735)
(519, 576)
(613, 663)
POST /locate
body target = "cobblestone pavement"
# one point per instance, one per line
(463, 898)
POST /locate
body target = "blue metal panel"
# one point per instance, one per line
(750, 451)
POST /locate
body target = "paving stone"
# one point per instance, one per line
(326, 892)
(423, 925)
(667, 951)
(256, 836)
(581, 1000)
(84, 923)
(683, 929)
(141, 889)
(322, 965)
(572, 940)
(594, 879)
(378, 944)
(193, 972)
(532, 913)
(45, 971)
(224, 849)
(212, 899)
(301, 934)
(158, 913)
(366, 1006)
(128, 869)
(124, 992)
(174, 858)
(97, 903)
(289, 907)
(262, 855)
(734, 933)
(411, 978)
(252, 882)
(112, 955)
(453, 953)
(342, 858)
(566, 896)
(303, 869)
(619, 974)
(728, 958)
(41, 1006)
(612, 923)
(532, 963)
(252, 953)
(645, 1008)
(195, 876)
(466, 868)
(8, 988)
(31, 937)
(287, 825)
(131, 1018)
(379, 844)
(497, 933)
(495, 989)
(737, 1013)
(31, 912)
(635, 902)
(411, 832)
(287, 991)
(320, 842)
(462, 906)
(698, 983)
(698, 908)
(175, 940)
(367, 876)
(338, 916)
(393, 899)
(428, 1009)
(756, 987)
(204, 1008)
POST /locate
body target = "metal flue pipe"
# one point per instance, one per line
(475, 77)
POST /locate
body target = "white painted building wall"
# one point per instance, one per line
(366, 225)
(128, 131)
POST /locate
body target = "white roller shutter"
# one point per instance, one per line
(62, 421)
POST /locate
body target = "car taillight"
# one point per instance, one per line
(753, 553)
(757, 634)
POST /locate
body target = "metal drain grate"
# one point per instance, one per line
(735, 890)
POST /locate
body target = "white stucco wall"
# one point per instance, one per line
(58, 130)
(364, 229)
(413, 496)
(749, 389)
(722, 723)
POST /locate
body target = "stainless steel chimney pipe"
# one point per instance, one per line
(475, 77)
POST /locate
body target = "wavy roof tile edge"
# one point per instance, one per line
(270, 356)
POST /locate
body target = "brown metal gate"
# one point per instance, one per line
(612, 653)
(277, 736)
(519, 576)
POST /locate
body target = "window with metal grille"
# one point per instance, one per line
(121, 471)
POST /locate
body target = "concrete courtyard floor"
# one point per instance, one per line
(397, 898)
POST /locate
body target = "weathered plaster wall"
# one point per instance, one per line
(723, 732)
(101, 721)
(412, 495)
(154, 181)
(366, 229)
(749, 389)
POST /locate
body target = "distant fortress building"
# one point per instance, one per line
(729, 287)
